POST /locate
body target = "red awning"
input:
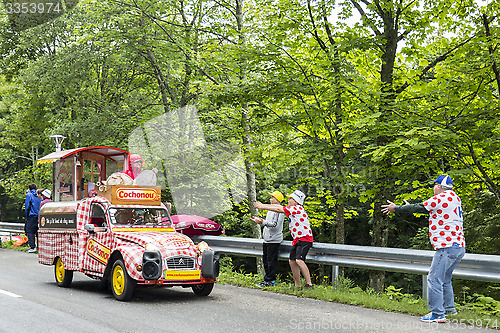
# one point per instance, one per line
(109, 152)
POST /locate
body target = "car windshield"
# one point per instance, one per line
(139, 216)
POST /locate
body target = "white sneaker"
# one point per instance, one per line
(32, 250)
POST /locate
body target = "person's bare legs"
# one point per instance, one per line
(305, 271)
(295, 272)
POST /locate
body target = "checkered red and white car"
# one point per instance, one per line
(122, 246)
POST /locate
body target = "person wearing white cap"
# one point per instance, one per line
(45, 197)
(273, 235)
(301, 233)
(447, 238)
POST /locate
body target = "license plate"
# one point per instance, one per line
(182, 275)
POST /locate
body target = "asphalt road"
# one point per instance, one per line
(30, 301)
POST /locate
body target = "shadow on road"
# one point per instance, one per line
(142, 294)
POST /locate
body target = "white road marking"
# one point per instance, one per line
(9, 293)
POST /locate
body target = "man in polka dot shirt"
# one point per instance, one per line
(301, 233)
(447, 238)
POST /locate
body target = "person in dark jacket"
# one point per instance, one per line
(31, 209)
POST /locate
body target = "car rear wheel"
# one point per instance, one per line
(203, 289)
(62, 275)
(122, 285)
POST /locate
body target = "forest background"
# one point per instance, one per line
(354, 102)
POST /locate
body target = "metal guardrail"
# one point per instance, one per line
(11, 227)
(480, 267)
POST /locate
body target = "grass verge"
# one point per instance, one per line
(344, 292)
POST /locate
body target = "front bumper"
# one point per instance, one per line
(170, 283)
(178, 270)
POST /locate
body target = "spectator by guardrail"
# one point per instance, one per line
(480, 267)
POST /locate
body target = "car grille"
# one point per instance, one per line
(180, 262)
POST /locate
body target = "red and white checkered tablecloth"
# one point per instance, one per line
(83, 210)
(58, 243)
(169, 244)
(71, 245)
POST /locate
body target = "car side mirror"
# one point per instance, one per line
(90, 228)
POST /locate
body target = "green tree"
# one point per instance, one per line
(385, 25)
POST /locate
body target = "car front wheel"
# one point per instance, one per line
(203, 289)
(122, 285)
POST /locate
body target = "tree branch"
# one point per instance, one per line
(365, 17)
(431, 65)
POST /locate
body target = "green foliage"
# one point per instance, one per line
(395, 293)
(236, 222)
(226, 265)
(17, 184)
(351, 112)
(479, 303)
(485, 305)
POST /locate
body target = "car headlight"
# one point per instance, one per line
(202, 246)
(151, 247)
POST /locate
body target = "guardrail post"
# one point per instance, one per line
(425, 291)
(335, 274)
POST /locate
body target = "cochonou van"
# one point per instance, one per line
(108, 226)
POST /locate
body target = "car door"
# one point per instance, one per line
(99, 242)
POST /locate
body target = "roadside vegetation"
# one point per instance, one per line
(474, 310)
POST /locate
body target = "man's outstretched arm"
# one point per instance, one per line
(271, 207)
(407, 208)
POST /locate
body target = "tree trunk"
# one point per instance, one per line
(160, 79)
(339, 144)
(245, 124)
(380, 237)
(249, 170)
(380, 221)
(491, 50)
